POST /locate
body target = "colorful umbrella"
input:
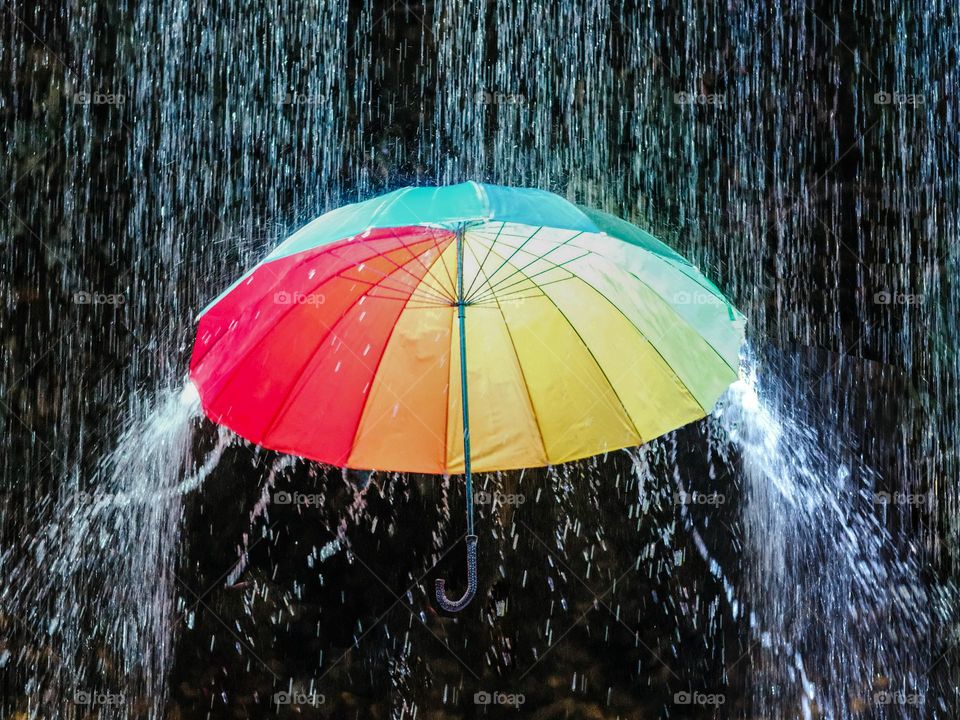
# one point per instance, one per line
(355, 342)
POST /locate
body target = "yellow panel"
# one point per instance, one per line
(577, 410)
(653, 396)
(403, 423)
(503, 430)
(704, 372)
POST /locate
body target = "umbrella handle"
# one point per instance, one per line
(458, 605)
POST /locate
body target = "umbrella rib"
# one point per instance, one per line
(424, 305)
(289, 310)
(596, 362)
(453, 285)
(523, 377)
(626, 413)
(492, 292)
(404, 291)
(515, 251)
(442, 292)
(429, 270)
(666, 365)
(373, 377)
(446, 401)
(655, 293)
(520, 270)
(682, 319)
(518, 294)
(383, 275)
(282, 407)
(343, 275)
(489, 299)
(678, 267)
(439, 294)
(485, 258)
(651, 342)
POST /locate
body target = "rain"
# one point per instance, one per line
(792, 555)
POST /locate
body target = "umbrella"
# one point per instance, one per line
(464, 328)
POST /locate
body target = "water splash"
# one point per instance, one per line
(93, 587)
(842, 613)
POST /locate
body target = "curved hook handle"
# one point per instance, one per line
(458, 605)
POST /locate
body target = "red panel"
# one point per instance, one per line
(287, 357)
(281, 275)
(325, 408)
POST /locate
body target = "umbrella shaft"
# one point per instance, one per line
(461, 312)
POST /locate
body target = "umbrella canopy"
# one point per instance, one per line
(359, 339)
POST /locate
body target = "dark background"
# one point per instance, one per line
(205, 132)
